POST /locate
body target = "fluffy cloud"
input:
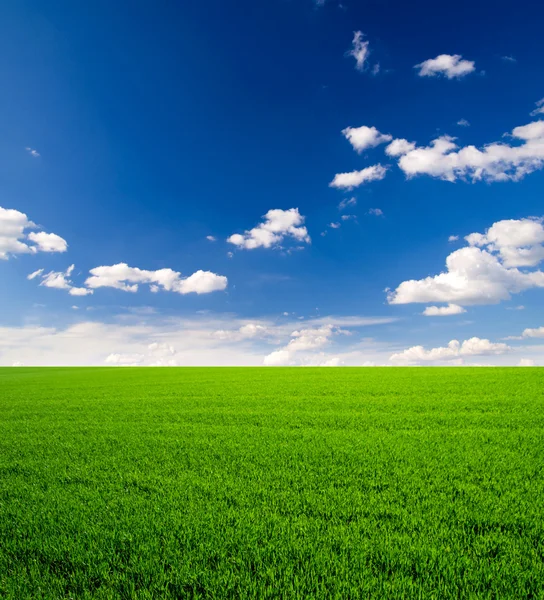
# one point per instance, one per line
(211, 238)
(365, 137)
(453, 238)
(278, 358)
(463, 123)
(123, 277)
(538, 332)
(454, 350)
(483, 276)
(60, 280)
(449, 65)
(398, 147)
(526, 362)
(359, 50)
(518, 242)
(497, 161)
(32, 152)
(303, 340)
(48, 242)
(356, 178)
(377, 212)
(278, 224)
(14, 239)
(443, 311)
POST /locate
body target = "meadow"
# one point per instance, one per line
(271, 483)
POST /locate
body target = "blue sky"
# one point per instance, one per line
(134, 132)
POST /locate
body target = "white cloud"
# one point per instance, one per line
(278, 358)
(539, 110)
(497, 161)
(399, 146)
(518, 241)
(331, 362)
(377, 212)
(509, 59)
(123, 277)
(526, 362)
(244, 332)
(443, 311)
(359, 50)
(303, 341)
(60, 280)
(454, 350)
(32, 152)
(537, 332)
(211, 238)
(48, 242)
(453, 238)
(278, 224)
(35, 274)
(356, 178)
(346, 203)
(483, 276)
(463, 123)
(365, 137)
(14, 239)
(334, 225)
(348, 217)
(193, 339)
(449, 65)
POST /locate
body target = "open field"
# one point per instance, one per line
(272, 483)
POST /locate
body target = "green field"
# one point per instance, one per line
(272, 483)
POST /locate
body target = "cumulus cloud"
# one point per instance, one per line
(454, 350)
(537, 332)
(15, 240)
(486, 271)
(278, 224)
(443, 311)
(453, 238)
(32, 152)
(497, 161)
(399, 146)
(278, 358)
(211, 238)
(359, 50)
(302, 341)
(519, 242)
(59, 280)
(346, 203)
(526, 362)
(463, 123)
(362, 138)
(123, 277)
(354, 179)
(377, 212)
(450, 65)
(48, 242)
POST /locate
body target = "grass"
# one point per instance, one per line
(271, 483)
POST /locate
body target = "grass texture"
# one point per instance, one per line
(271, 483)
